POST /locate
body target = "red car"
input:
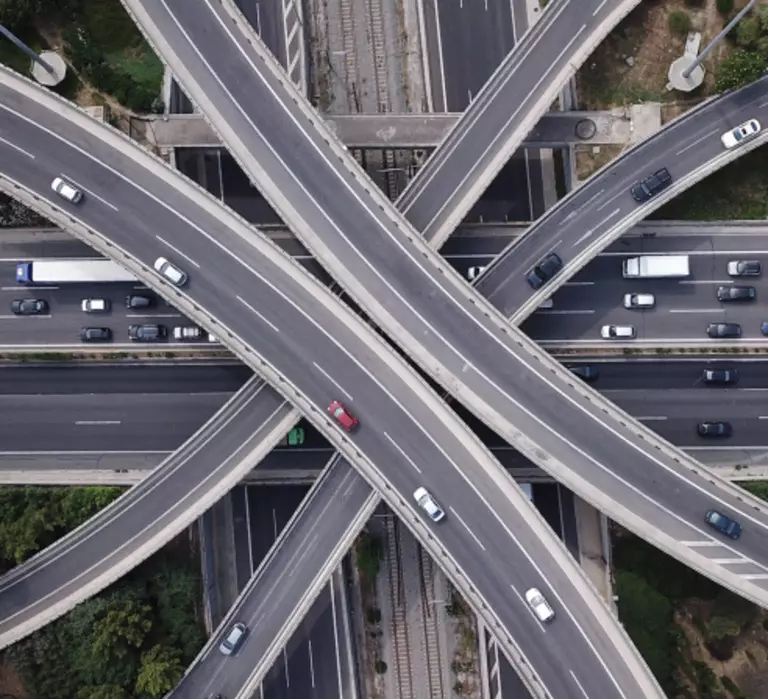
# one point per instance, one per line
(342, 416)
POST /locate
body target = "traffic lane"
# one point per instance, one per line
(273, 594)
(24, 244)
(603, 201)
(102, 422)
(287, 349)
(266, 17)
(108, 538)
(498, 109)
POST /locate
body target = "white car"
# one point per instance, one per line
(95, 305)
(474, 272)
(66, 190)
(639, 300)
(618, 332)
(427, 503)
(172, 273)
(545, 304)
(187, 332)
(540, 606)
(741, 133)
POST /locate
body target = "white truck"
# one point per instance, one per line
(656, 267)
(87, 271)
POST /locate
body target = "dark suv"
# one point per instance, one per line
(95, 334)
(651, 185)
(542, 272)
(723, 524)
(147, 333)
(136, 301)
(714, 429)
(720, 376)
(28, 307)
(736, 293)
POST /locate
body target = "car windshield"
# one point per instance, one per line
(338, 412)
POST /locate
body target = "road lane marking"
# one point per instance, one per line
(547, 312)
(402, 453)
(248, 529)
(13, 316)
(311, 663)
(332, 380)
(579, 284)
(697, 141)
(98, 422)
(154, 315)
(599, 225)
(19, 287)
(701, 544)
(731, 561)
(756, 576)
(177, 251)
(94, 195)
(594, 14)
(697, 310)
(573, 674)
(762, 417)
(260, 315)
(705, 281)
(651, 418)
(464, 524)
(15, 147)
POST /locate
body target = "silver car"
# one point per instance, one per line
(233, 640)
(66, 190)
(639, 301)
(618, 332)
(743, 132)
(474, 272)
(172, 273)
(427, 503)
(539, 605)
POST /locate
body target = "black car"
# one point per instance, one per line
(723, 524)
(587, 373)
(721, 330)
(95, 334)
(651, 185)
(28, 307)
(720, 376)
(136, 301)
(714, 429)
(736, 293)
(541, 273)
(147, 333)
(744, 268)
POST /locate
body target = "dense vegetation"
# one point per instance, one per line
(748, 61)
(651, 586)
(133, 640)
(101, 42)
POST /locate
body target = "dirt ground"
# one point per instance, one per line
(10, 684)
(748, 666)
(631, 65)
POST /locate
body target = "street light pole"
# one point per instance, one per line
(20, 44)
(48, 69)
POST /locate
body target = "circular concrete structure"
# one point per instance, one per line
(585, 129)
(677, 81)
(58, 65)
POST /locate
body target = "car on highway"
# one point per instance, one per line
(714, 429)
(720, 376)
(294, 438)
(586, 373)
(187, 333)
(474, 272)
(538, 603)
(342, 416)
(234, 639)
(764, 327)
(67, 190)
(29, 307)
(649, 187)
(736, 293)
(427, 503)
(95, 334)
(639, 301)
(744, 268)
(618, 332)
(147, 333)
(544, 271)
(723, 330)
(171, 272)
(723, 524)
(138, 301)
(743, 132)
(95, 305)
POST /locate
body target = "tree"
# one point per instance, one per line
(679, 22)
(739, 69)
(725, 7)
(103, 691)
(123, 627)
(16, 14)
(368, 555)
(761, 12)
(748, 32)
(160, 671)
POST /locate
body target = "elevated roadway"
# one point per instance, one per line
(382, 262)
(295, 314)
(411, 130)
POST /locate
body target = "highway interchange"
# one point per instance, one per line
(104, 225)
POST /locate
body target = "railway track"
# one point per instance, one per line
(429, 618)
(403, 670)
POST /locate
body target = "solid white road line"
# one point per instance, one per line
(651, 418)
(311, 663)
(705, 281)
(19, 287)
(259, 315)
(573, 674)
(547, 312)
(15, 147)
(697, 141)
(701, 544)
(696, 310)
(464, 524)
(93, 194)
(98, 422)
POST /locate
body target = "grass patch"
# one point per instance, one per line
(738, 191)
(140, 63)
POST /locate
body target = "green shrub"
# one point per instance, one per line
(739, 69)
(748, 32)
(761, 13)
(725, 7)
(679, 22)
